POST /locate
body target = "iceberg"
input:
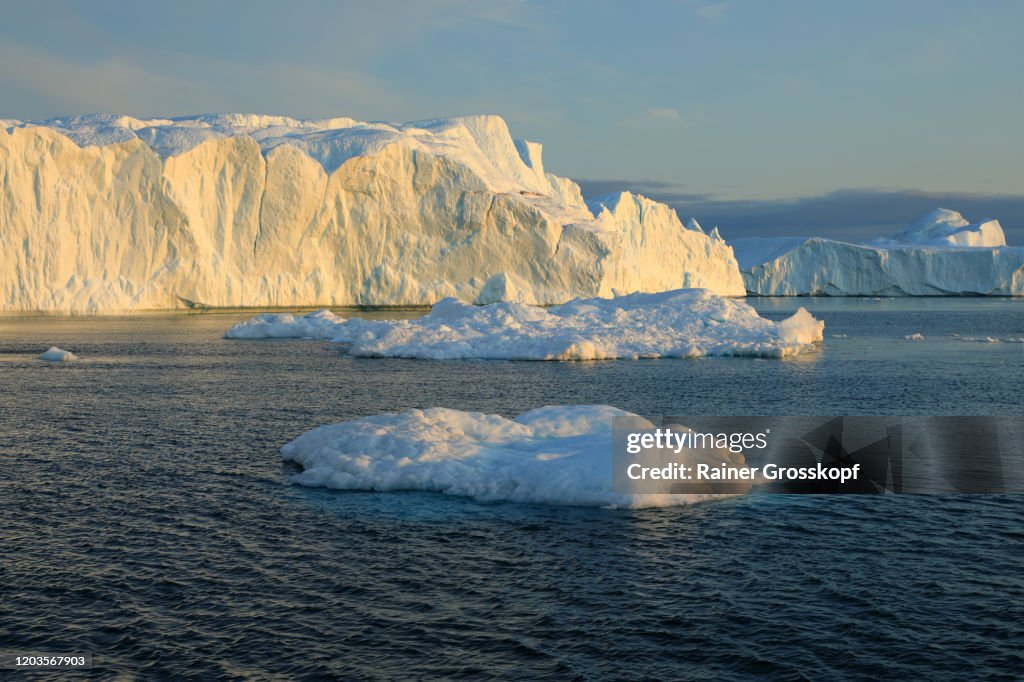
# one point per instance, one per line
(553, 455)
(943, 227)
(687, 323)
(57, 355)
(116, 213)
(939, 255)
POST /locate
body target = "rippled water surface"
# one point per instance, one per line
(147, 518)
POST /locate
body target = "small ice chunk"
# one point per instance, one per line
(800, 329)
(57, 355)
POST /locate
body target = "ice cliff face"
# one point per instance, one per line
(101, 213)
(940, 254)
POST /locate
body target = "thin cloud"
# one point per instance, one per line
(850, 214)
(664, 114)
(715, 11)
(119, 85)
(665, 117)
(666, 192)
(74, 87)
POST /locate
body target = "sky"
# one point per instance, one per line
(764, 117)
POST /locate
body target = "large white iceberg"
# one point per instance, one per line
(103, 213)
(940, 254)
(676, 324)
(551, 455)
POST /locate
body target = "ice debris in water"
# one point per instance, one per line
(57, 355)
(673, 324)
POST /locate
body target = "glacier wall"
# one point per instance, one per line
(113, 213)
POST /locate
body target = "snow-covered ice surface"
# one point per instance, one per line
(675, 324)
(55, 354)
(940, 254)
(250, 210)
(551, 455)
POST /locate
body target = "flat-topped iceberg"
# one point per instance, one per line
(105, 213)
(687, 323)
(551, 455)
(939, 255)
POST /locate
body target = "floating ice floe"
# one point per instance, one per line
(57, 355)
(551, 455)
(321, 325)
(989, 339)
(686, 323)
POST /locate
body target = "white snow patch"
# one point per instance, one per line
(551, 455)
(686, 323)
(57, 355)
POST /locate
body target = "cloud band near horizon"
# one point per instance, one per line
(848, 214)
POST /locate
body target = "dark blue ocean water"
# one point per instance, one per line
(146, 516)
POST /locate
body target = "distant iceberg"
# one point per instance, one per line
(551, 455)
(941, 254)
(687, 323)
(943, 227)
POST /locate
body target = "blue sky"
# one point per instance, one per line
(756, 115)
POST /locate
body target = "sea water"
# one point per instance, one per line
(147, 517)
